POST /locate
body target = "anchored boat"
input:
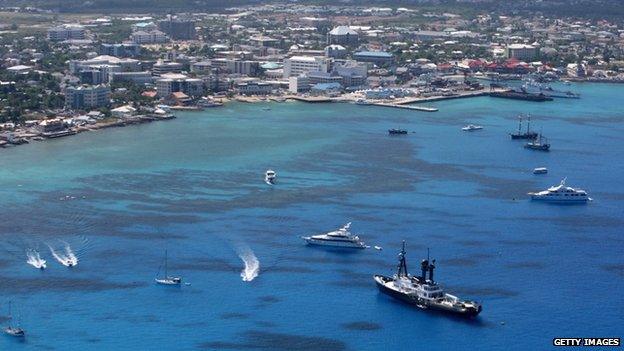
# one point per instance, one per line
(14, 330)
(337, 238)
(167, 279)
(524, 135)
(423, 291)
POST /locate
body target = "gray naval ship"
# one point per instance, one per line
(423, 292)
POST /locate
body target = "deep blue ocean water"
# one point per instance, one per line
(194, 186)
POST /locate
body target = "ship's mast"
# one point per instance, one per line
(402, 267)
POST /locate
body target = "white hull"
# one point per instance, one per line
(561, 200)
(168, 282)
(346, 244)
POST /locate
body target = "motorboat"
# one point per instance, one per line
(561, 193)
(395, 131)
(471, 128)
(166, 279)
(363, 102)
(540, 170)
(270, 177)
(341, 237)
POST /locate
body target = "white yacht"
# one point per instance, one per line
(167, 279)
(269, 177)
(471, 127)
(540, 170)
(337, 238)
(561, 193)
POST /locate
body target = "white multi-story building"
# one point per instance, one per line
(84, 97)
(149, 37)
(126, 64)
(66, 32)
(297, 65)
(298, 84)
(174, 82)
(521, 51)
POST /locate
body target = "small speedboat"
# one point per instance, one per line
(395, 131)
(471, 128)
(269, 177)
(540, 170)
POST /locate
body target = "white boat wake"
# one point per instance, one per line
(68, 259)
(35, 260)
(252, 265)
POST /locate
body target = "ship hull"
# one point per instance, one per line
(329, 243)
(421, 303)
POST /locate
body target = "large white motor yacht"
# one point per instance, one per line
(337, 238)
(561, 193)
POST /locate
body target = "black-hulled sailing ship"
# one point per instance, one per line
(540, 143)
(524, 135)
(423, 292)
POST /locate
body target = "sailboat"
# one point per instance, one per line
(11, 330)
(526, 135)
(167, 279)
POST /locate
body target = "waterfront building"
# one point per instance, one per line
(83, 97)
(178, 29)
(377, 57)
(66, 32)
(521, 52)
(297, 65)
(254, 88)
(342, 35)
(149, 37)
(174, 82)
(121, 50)
(298, 84)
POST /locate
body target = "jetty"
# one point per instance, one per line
(407, 107)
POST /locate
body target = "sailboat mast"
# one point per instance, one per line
(519, 124)
(165, 263)
(529, 124)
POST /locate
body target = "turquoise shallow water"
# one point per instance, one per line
(194, 186)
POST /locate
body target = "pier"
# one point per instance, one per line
(407, 107)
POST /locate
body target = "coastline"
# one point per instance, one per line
(26, 136)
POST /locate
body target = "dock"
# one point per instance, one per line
(407, 107)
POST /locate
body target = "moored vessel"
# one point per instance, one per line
(270, 176)
(561, 193)
(395, 131)
(166, 279)
(540, 144)
(471, 128)
(338, 238)
(540, 170)
(423, 292)
(524, 135)
(14, 330)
